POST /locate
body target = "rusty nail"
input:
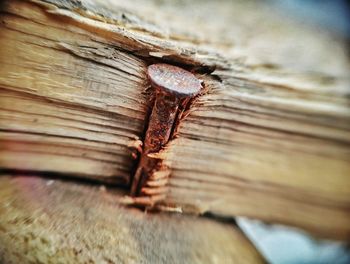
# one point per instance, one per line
(173, 86)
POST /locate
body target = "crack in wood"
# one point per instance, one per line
(149, 184)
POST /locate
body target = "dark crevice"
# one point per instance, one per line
(196, 69)
(76, 178)
(151, 99)
(220, 218)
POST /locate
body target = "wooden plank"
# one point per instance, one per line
(49, 221)
(59, 108)
(231, 158)
(269, 139)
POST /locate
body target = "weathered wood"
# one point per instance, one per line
(49, 221)
(269, 139)
(57, 108)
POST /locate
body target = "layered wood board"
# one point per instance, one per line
(49, 221)
(268, 139)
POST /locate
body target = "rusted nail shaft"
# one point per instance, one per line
(161, 122)
(173, 86)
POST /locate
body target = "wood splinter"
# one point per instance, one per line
(174, 87)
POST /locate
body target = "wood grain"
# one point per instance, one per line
(65, 106)
(269, 139)
(237, 155)
(50, 221)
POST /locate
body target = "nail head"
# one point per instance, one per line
(173, 79)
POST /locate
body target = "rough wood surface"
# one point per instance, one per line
(49, 221)
(270, 139)
(58, 108)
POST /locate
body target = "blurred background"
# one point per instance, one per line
(280, 244)
(328, 14)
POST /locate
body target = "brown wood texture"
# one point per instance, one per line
(49, 221)
(269, 139)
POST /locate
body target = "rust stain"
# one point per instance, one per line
(174, 88)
